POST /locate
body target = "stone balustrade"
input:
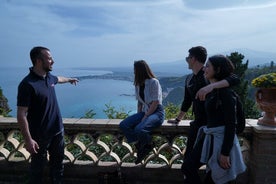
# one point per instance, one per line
(95, 146)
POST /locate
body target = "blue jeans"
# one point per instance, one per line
(55, 147)
(135, 129)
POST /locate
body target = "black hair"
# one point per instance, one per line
(199, 52)
(36, 53)
(222, 65)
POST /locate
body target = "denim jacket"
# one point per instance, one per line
(220, 175)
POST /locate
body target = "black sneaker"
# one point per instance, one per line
(143, 152)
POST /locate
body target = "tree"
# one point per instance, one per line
(272, 64)
(4, 107)
(113, 113)
(89, 114)
(240, 69)
(250, 108)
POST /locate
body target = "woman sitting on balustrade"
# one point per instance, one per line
(150, 113)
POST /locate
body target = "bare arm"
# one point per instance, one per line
(31, 145)
(179, 117)
(152, 108)
(201, 94)
(62, 79)
(139, 106)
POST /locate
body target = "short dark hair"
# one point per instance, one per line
(199, 52)
(222, 65)
(36, 53)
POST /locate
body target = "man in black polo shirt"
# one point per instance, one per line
(39, 116)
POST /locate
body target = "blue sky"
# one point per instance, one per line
(96, 33)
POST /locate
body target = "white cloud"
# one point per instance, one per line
(112, 33)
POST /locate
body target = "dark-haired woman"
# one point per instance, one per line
(217, 144)
(150, 114)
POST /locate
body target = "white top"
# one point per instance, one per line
(152, 92)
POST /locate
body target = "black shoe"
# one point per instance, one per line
(137, 146)
(143, 152)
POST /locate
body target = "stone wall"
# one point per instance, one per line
(258, 147)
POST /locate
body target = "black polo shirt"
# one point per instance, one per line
(38, 94)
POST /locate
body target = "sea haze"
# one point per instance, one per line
(75, 101)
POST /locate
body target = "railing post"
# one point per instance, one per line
(262, 161)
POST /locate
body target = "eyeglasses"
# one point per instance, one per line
(189, 57)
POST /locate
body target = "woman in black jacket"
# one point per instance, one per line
(217, 144)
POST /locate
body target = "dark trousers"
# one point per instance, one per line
(55, 148)
(191, 165)
(194, 126)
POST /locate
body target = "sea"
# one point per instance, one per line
(76, 101)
